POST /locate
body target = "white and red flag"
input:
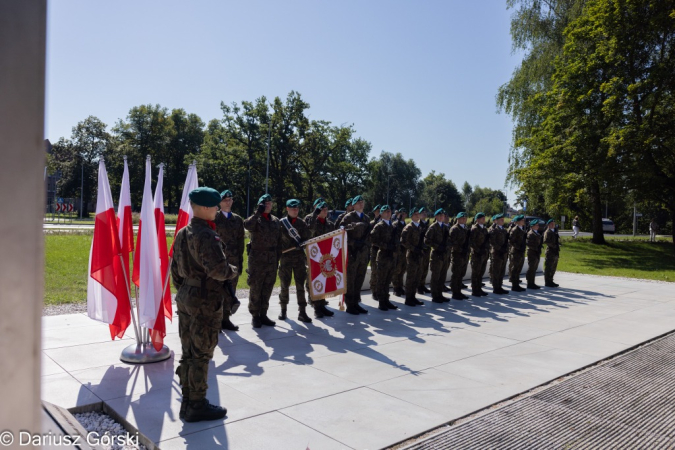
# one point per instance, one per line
(327, 261)
(147, 268)
(161, 242)
(185, 211)
(107, 284)
(124, 219)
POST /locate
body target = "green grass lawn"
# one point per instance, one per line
(66, 260)
(633, 259)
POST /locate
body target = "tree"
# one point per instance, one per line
(481, 199)
(347, 167)
(79, 156)
(393, 178)
(467, 190)
(438, 192)
(185, 141)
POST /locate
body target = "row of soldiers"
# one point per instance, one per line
(208, 260)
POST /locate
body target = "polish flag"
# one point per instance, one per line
(107, 284)
(148, 268)
(161, 241)
(185, 212)
(124, 220)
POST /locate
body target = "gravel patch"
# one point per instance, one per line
(111, 434)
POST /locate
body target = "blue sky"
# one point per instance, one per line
(415, 77)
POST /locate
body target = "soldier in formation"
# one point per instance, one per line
(357, 225)
(319, 224)
(459, 247)
(518, 245)
(424, 224)
(413, 242)
(384, 239)
(480, 247)
(399, 253)
(499, 241)
(534, 243)
(552, 241)
(199, 270)
(437, 237)
(373, 254)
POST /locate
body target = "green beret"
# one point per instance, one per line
(205, 196)
(226, 194)
(376, 208)
(497, 216)
(293, 203)
(439, 211)
(478, 216)
(348, 202)
(549, 221)
(518, 217)
(402, 210)
(414, 210)
(460, 215)
(384, 208)
(422, 209)
(323, 205)
(356, 199)
(265, 198)
(317, 201)
(534, 222)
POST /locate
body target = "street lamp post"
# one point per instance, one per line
(81, 187)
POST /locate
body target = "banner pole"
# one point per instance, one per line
(131, 309)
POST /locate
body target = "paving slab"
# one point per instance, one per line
(364, 381)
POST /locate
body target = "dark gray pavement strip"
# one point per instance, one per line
(627, 401)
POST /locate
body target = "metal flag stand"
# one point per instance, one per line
(142, 352)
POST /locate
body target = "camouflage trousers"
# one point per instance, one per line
(532, 264)
(425, 267)
(227, 299)
(497, 269)
(400, 269)
(357, 266)
(413, 272)
(438, 263)
(262, 274)
(293, 264)
(198, 327)
(459, 262)
(478, 266)
(373, 268)
(385, 265)
(516, 262)
(550, 266)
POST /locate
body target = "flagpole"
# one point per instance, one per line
(166, 279)
(131, 310)
(138, 309)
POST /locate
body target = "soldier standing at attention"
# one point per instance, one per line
(437, 238)
(230, 228)
(459, 235)
(424, 224)
(198, 271)
(383, 238)
(373, 255)
(410, 239)
(263, 260)
(358, 239)
(399, 254)
(348, 208)
(480, 246)
(499, 241)
(518, 241)
(318, 225)
(293, 263)
(534, 243)
(552, 241)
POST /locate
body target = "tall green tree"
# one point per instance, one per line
(186, 139)
(439, 192)
(394, 178)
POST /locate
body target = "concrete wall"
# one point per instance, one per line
(22, 162)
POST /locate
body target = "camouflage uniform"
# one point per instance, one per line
(198, 271)
(400, 256)
(517, 239)
(459, 237)
(230, 228)
(263, 260)
(426, 256)
(534, 244)
(293, 263)
(499, 239)
(411, 240)
(480, 247)
(340, 218)
(318, 227)
(373, 260)
(436, 238)
(358, 240)
(552, 241)
(383, 239)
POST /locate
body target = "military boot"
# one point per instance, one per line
(499, 290)
(383, 305)
(420, 290)
(184, 403)
(476, 292)
(302, 315)
(266, 320)
(532, 286)
(361, 309)
(282, 314)
(437, 299)
(410, 301)
(351, 309)
(483, 293)
(426, 290)
(228, 325)
(516, 287)
(446, 289)
(327, 312)
(399, 292)
(390, 305)
(318, 311)
(201, 410)
(255, 321)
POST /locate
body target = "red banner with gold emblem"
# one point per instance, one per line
(327, 262)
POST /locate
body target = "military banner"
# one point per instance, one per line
(327, 262)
